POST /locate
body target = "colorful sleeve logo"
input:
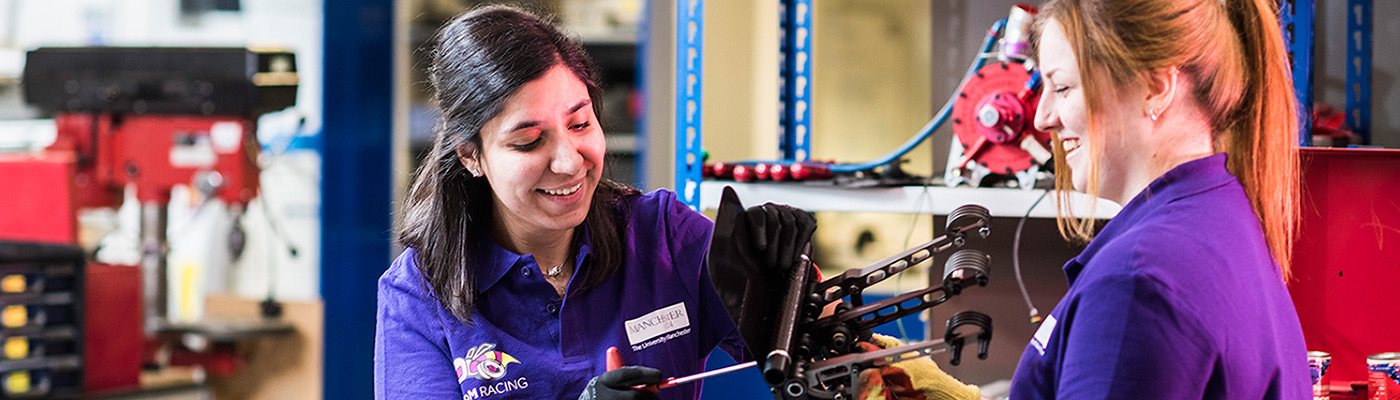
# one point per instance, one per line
(483, 362)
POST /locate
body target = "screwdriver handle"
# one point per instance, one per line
(614, 361)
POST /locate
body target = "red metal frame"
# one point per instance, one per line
(157, 152)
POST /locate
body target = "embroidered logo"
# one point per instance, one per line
(658, 326)
(483, 362)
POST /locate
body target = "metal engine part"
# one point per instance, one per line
(993, 120)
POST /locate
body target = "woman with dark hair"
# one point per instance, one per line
(523, 265)
(1183, 112)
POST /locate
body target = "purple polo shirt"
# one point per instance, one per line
(659, 309)
(1176, 298)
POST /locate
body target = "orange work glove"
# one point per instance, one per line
(918, 378)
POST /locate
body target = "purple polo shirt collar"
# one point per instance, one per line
(1187, 179)
(502, 260)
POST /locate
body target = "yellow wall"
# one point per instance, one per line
(870, 93)
(741, 79)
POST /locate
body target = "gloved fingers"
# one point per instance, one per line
(872, 385)
(629, 376)
(788, 247)
(756, 219)
(899, 384)
(916, 378)
(802, 225)
(806, 226)
(596, 391)
(884, 341)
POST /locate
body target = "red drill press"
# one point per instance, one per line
(152, 118)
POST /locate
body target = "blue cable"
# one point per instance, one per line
(938, 119)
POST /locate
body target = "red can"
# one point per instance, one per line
(1318, 362)
(1384, 382)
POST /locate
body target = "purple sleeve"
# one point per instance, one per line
(1130, 340)
(690, 241)
(411, 359)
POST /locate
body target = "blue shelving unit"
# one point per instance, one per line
(795, 94)
(1359, 68)
(690, 23)
(1297, 17)
(795, 90)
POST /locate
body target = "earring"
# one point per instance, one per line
(476, 173)
(1152, 113)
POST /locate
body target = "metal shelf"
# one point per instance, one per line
(937, 200)
(1296, 16)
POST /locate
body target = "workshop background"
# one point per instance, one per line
(269, 281)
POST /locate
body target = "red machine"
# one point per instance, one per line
(151, 118)
(994, 123)
(156, 153)
(994, 113)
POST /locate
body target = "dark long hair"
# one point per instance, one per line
(480, 58)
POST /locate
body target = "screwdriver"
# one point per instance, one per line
(615, 362)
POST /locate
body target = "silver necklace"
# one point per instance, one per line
(554, 271)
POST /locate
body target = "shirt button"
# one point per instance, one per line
(551, 308)
(525, 270)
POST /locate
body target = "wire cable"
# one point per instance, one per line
(943, 113)
(908, 235)
(1016, 258)
(982, 55)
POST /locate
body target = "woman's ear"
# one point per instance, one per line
(1162, 85)
(468, 154)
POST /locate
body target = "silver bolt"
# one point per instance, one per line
(988, 116)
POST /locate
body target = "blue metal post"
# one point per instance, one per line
(690, 22)
(1359, 68)
(796, 84)
(355, 186)
(1297, 18)
(639, 175)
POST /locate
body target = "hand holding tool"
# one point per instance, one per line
(615, 362)
(622, 382)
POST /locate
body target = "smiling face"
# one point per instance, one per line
(1115, 150)
(1062, 108)
(543, 156)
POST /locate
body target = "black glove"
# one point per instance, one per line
(752, 258)
(772, 236)
(619, 384)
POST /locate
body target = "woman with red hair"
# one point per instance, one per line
(1183, 112)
